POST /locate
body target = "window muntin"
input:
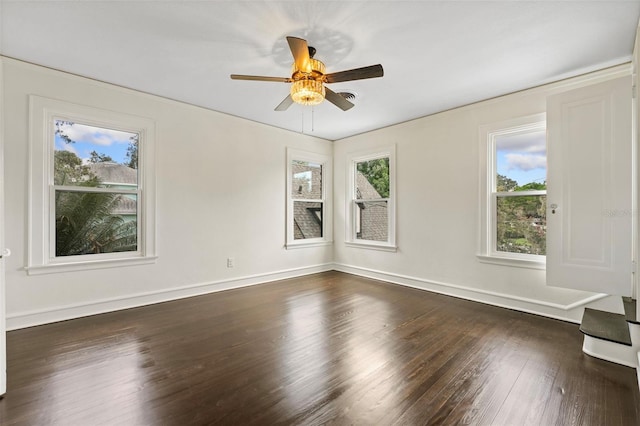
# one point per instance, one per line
(95, 186)
(307, 203)
(69, 143)
(517, 191)
(371, 204)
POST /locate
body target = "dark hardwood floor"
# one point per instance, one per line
(330, 348)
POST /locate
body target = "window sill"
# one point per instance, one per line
(513, 262)
(54, 268)
(372, 246)
(307, 244)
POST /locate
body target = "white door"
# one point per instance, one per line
(589, 188)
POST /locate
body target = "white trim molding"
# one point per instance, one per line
(41, 257)
(352, 222)
(522, 263)
(487, 244)
(324, 197)
(3, 298)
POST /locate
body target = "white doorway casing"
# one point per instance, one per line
(3, 327)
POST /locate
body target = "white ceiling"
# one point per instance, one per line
(436, 55)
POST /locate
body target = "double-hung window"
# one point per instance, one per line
(514, 188)
(308, 199)
(371, 199)
(92, 190)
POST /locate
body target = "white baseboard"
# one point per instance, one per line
(571, 313)
(62, 313)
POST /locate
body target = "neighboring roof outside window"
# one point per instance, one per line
(366, 191)
(374, 214)
(114, 174)
(119, 176)
(307, 220)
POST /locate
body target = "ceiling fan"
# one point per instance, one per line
(308, 78)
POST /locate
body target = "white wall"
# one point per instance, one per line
(438, 223)
(220, 193)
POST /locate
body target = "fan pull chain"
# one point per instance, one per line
(302, 126)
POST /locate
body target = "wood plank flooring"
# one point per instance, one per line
(330, 348)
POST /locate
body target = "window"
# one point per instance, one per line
(515, 188)
(308, 189)
(91, 189)
(371, 202)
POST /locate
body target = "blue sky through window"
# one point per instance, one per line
(522, 157)
(86, 139)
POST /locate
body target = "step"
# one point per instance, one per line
(630, 312)
(606, 326)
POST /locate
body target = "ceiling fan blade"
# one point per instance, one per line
(300, 52)
(286, 103)
(337, 100)
(372, 71)
(260, 78)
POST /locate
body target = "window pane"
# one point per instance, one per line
(307, 220)
(95, 222)
(94, 156)
(522, 224)
(521, 161)
(306, 180)
(372, 220)
(372, 179)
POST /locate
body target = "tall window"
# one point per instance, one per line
(92, 188)
(516, 205)
(95, 185)
(371, 203)
(308, 189)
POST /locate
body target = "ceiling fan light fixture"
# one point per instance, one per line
(308, 78)
(307, 92)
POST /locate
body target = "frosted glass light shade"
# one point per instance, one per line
(307, 92)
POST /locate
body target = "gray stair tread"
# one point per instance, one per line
(606, 326)
(630, 310)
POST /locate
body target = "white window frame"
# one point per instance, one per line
(488, 196)
(351, 199)
(41, 257)
(327, 195)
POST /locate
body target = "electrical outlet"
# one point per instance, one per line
(230, 262)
